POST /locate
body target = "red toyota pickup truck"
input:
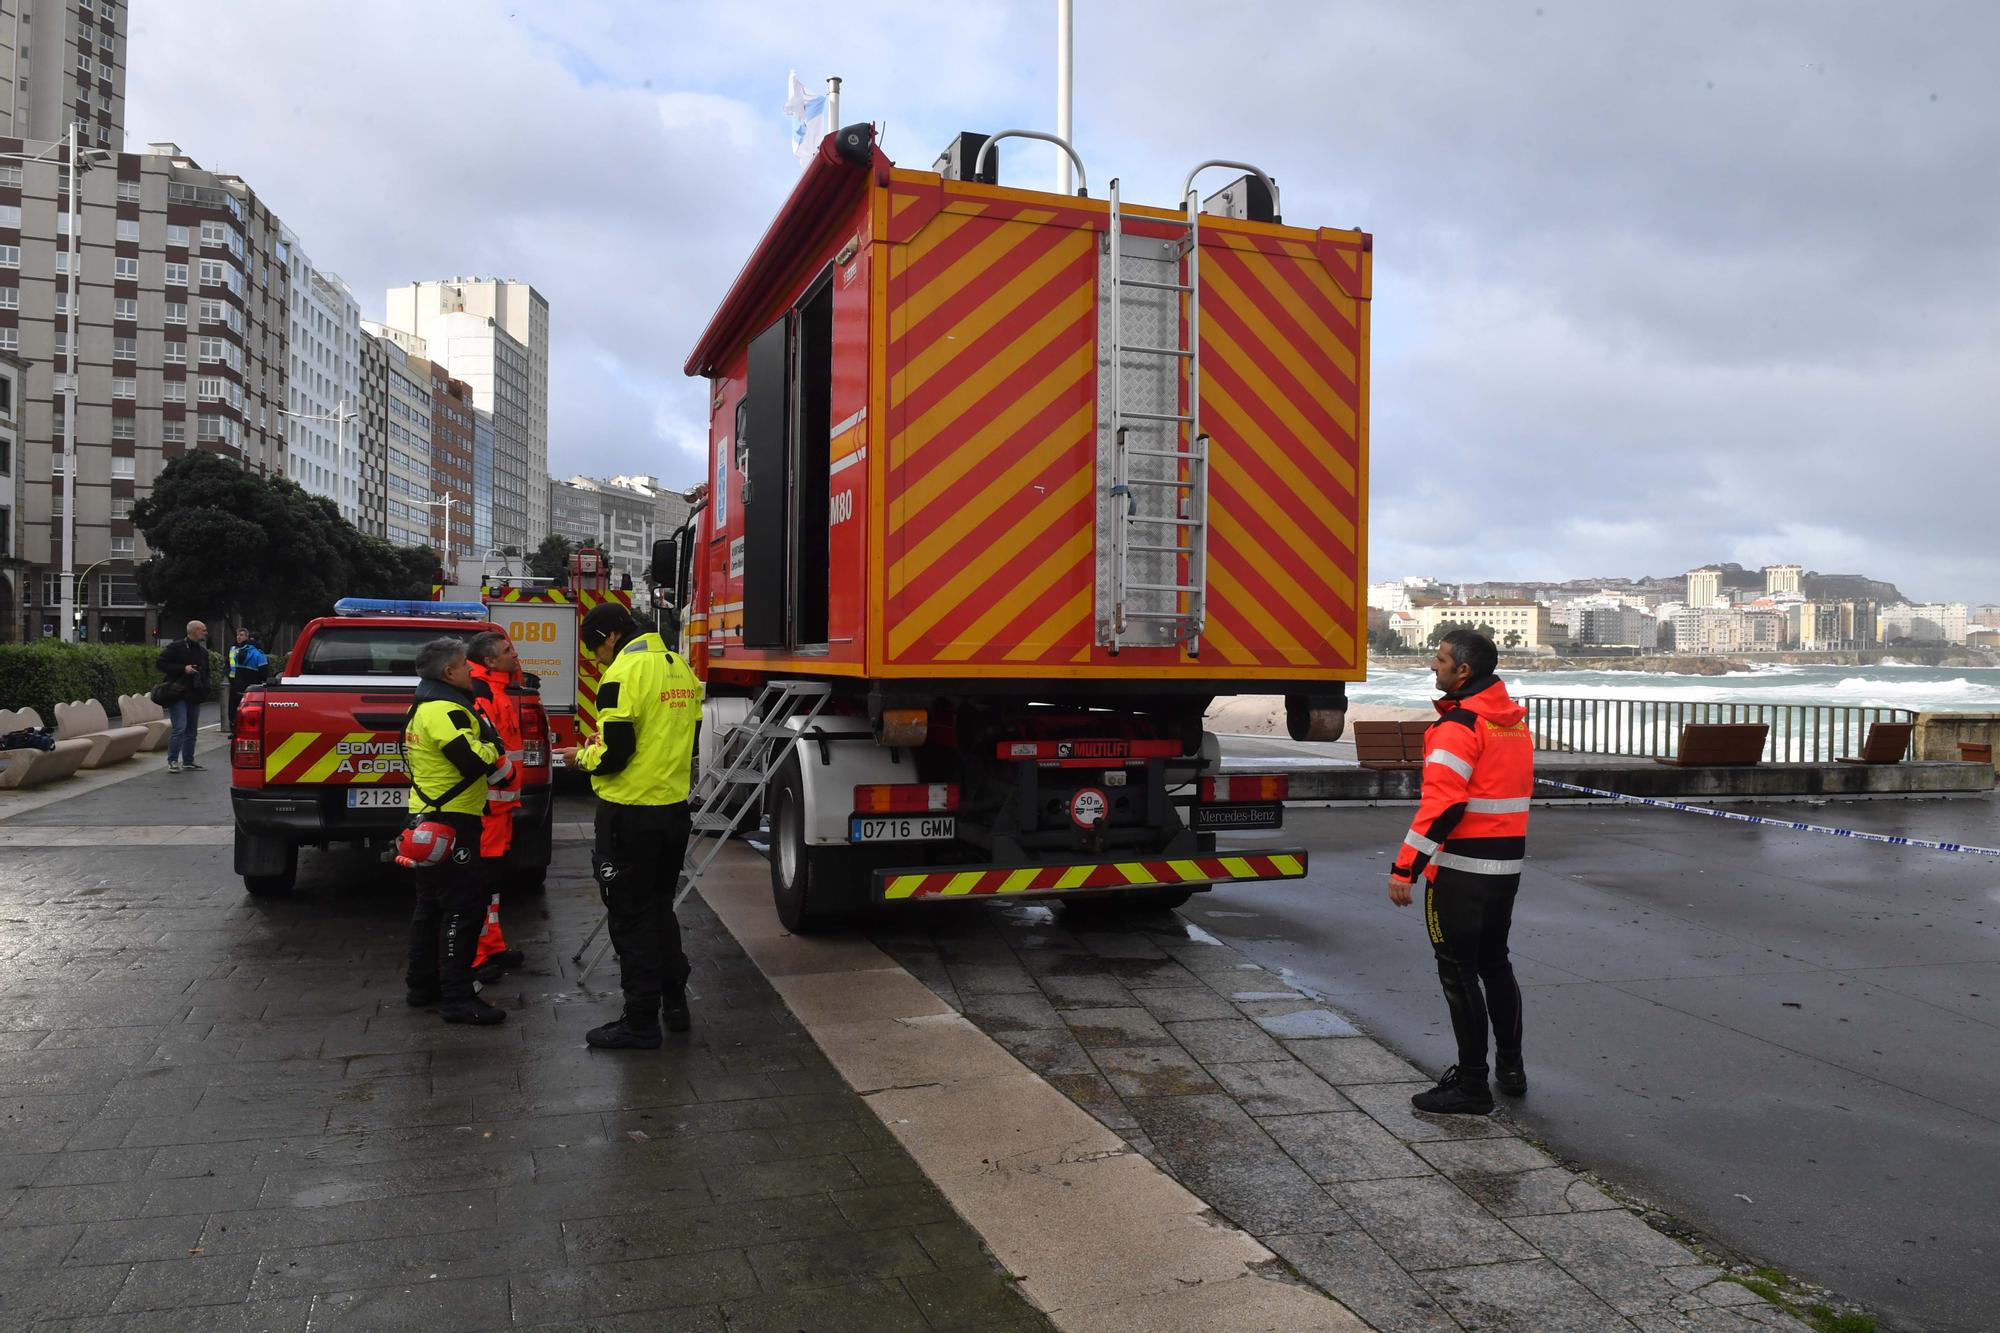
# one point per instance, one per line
(317, 754)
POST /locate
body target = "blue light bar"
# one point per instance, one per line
(390, 606)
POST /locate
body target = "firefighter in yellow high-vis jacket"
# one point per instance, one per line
(452, 752)
(640, 763)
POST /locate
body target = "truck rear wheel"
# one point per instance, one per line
(270, 868)
(807, 882)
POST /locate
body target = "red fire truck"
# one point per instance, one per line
(1022, 482)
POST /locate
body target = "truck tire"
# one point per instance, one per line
(270, 868)
(1126, 901)
(808, 883)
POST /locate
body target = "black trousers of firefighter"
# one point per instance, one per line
(450, 912)
(1469, 916)
(637, 860)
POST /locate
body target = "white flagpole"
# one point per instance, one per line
(833, 105)
(1065, 78)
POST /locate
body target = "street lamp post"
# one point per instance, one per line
(78, 164)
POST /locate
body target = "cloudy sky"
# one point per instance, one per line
(1655, 285)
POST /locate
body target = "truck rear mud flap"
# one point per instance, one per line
(1082, 878)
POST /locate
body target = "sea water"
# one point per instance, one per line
(1886, 685)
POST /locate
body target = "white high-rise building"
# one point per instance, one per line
(494, 335)
(323, 425)
(1704, 586)
(1783, 579)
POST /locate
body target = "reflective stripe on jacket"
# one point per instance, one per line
(1478, 778)
(503, 711)
(648, 706)
(447, 743)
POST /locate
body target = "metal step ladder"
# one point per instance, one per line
(726, 790)
(1152, 457)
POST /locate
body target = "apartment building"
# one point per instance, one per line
(1924, 622)
(1514, 625)
(179, 332)
(452, 433)
(404, 411)
(1703, 587)
(621, 516)
(63, 61)
(322, 415)
(12, 568)
(493, 334)
(1783, 579)
(1710, 630)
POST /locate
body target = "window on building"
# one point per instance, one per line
(128, 192)
(211, 349)
(176, 234)
(10, 216)
(177, 312)
(121, 506)
(65, 220)
(62, 302)
(10, 298)
(124, 349)
(174, 391)
(212, 311)
(125, 307)
(82, 60)
(10, 174)
(65, 344)
(209, 428)
(63, 265)
(124, 386)
(118, 590)
(62, 384)
(126, 266)
(58, 464)
(177, 275)
(124, 428)
(10, 256)
(121, 546)
(212, 233)
(210, 388)
(173, 432)
(128, 229)
(10, 340)
(174, 353)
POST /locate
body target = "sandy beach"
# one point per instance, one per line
(1264, 715)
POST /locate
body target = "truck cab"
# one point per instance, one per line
(317, 756)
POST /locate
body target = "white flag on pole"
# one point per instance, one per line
(808, 115)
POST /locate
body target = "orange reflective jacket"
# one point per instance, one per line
(489, 694)
(1479, 773)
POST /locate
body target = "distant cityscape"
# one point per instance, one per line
(1715, 610)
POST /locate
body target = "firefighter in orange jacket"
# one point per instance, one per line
(495, 667)
(1467, 845)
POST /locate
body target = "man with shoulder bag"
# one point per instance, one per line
(183, 664)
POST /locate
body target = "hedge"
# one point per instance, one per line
(42, 675)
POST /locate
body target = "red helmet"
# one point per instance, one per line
(424, 845)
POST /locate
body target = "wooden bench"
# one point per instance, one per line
(1390, 744)
(1886, 743)
(1719, 744)
(31, 768)
(86, 720)
(1973, 752)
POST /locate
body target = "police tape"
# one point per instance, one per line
(1797, 827)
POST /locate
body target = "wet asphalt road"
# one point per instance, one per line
(1789, 1040)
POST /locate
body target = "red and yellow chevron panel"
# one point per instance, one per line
(335, 758)
(894, 886)
(991, 453)
(989, 515)
(1283, 357)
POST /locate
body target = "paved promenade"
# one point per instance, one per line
(218, 1114)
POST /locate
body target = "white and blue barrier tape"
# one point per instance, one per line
(1797, 827)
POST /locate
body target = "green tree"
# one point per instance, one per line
(248, 549)
(1445, 627)
(551, 559)
(1513, 638)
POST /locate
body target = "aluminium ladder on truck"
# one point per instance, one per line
(746, 757)
(1152, 525)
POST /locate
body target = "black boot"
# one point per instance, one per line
(1509, 1073)
(674, 1009)
(1457, 1094)
(422, 997)
(626, 1034)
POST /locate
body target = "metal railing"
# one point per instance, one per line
(1651, 728)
